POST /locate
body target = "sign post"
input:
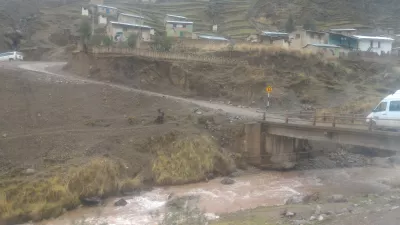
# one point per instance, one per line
(268, 90)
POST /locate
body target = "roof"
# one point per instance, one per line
(323, 45)
(373, 38)
(176, 16)
(104, 6)
(313, 31)
(131, 15)
(274, 34)
(212, 38)
(182, 22)
(131, 25)
(343, 29)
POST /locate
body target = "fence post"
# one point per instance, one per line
(324, 118)
(334, 121)
(315, 119)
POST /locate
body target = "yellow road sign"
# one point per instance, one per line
(268, 89)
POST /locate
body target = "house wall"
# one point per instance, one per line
(299, 39)
(85, 11)
(129, 19)
(378, 46)
(179, 30)
(341, 40)
(102, 19)
(113, 30)
(107, 11)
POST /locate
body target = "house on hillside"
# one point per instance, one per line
(344, 31)
(379, 45)
(326, 50)
(130, 18)
(85, 11)
(119, 31)
(270, 36)
(301, 38)
(179, 28)
(107, 10)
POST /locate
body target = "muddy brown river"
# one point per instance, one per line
(249, 191)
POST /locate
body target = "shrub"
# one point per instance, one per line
(107, 41)
(162, 43)
(132, 39)
(189, 160)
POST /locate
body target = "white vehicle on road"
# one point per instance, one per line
(387, 113)
(11, 56)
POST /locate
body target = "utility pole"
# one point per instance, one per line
(93, 15)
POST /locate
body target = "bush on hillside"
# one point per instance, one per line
(132, 39)
(188, 160)
(162, 43)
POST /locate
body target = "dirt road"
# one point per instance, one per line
(53, 69)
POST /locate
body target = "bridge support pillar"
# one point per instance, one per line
(270, 151)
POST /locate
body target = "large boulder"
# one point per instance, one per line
(91, 201)
(121, 202)
(227, 181)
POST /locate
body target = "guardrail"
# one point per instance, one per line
(165, 55)
(327, 119)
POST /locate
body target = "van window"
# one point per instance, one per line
(394, 106)
(381, 107)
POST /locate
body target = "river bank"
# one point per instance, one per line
(257, 197)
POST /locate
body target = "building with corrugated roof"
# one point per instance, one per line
(119, 31)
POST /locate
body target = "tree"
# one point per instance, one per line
(107, 41)
(162, 43)
(85, 31)
(289, 26)
(309, 24)
(132, 39)
(213, 10)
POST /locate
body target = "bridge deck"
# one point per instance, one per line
(341, 135)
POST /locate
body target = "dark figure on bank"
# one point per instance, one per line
(160, 117)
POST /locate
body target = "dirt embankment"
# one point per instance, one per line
(298, 80)
(62, 141)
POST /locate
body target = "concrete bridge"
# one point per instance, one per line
(276, 145)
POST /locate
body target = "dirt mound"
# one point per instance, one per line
(298, 80)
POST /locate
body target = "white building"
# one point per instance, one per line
(375, 44)
(102, 19)
(85, 11)
(120, 31)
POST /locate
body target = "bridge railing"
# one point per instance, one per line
(106, 51)
(325, 119)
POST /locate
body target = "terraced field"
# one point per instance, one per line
(234, 15)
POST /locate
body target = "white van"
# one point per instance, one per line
(387, 113)
(11, 56)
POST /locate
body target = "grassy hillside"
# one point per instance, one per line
(327, 14)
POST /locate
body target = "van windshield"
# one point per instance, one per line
(381, 107)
